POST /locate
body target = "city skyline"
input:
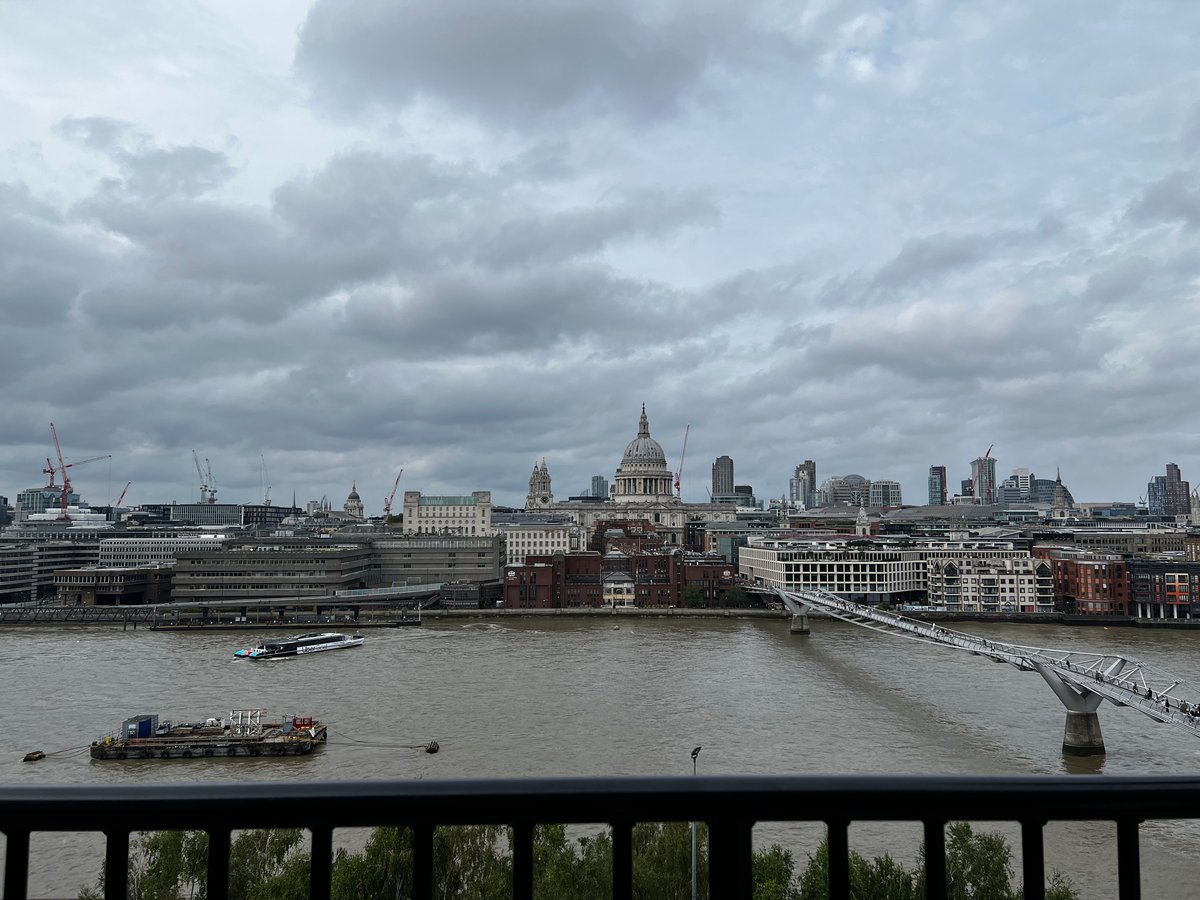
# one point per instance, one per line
(878, 236)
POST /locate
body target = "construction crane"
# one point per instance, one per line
(387, 503)
(266, 480)
(122, 497)
(208, 489)
(65, 497)
(682, 457)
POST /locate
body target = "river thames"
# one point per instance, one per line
(519, 697)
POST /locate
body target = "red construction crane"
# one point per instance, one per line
(682, 457)
(66, 478)
(387, 503)
(122, 497)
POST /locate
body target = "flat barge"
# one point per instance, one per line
(245, 733)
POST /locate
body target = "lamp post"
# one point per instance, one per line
(695, 753)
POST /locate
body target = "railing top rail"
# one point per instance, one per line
(586, 800)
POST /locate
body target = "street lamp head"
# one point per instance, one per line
(695, 753)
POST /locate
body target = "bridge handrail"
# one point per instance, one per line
(1112, 676)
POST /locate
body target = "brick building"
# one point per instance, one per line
(1164, 589)
(589, 579)
(1087, 583)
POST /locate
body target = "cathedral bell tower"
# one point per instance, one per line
(540, 495)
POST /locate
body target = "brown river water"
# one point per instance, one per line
(520, 697)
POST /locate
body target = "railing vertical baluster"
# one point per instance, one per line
(116, 865)
(622, 873)
(839, 860)
(321, 865)
(729, 854)
(523, 861)
(16, 863)
(935, 860)
(422, 836)
(218, 864)
(1129, 866)
(1033, 860)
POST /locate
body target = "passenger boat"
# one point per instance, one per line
(295, 646)
(245, 733)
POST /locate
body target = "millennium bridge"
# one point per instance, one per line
(1081, 680)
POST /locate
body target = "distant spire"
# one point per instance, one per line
(644, 423)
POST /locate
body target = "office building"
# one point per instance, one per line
(884, 493)
(937, 485)
(599, 486)
(257, 571)
(983, 479)
(722, 475)
(1169, 495)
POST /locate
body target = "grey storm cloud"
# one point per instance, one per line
(1171, 199)
(460, 235)
(44, 263)
(519, 312)
(1121, 282)
(511, 62)
(922, 260)
(147, 170)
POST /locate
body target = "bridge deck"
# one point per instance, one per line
(1122, 680)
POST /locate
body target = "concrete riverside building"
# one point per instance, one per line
(428, 558)
(159, 549)
(27, 568)
(872, 570)
(469, 515)
(113, 585)
(259, 571)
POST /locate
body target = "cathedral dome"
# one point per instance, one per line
(643, 475)
(644, 449)
(354, 493)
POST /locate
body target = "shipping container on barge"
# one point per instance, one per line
(246, 733)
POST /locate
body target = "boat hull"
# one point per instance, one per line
(298, 650)
(222, 744)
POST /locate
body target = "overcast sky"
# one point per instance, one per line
(458, 236)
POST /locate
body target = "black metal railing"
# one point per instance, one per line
(729, 805)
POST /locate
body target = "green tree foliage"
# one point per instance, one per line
(475, 863)
(978, 867)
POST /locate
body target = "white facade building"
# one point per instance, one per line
(877, 571)
(537, 539)
(469, 515)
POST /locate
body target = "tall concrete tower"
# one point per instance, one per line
(722, 475)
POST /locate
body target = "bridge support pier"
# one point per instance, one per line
(1081, 736)
(799, 623)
